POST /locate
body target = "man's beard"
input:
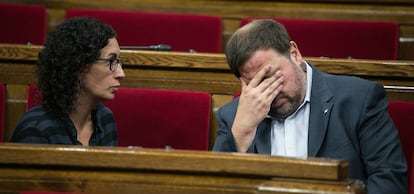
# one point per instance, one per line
(286, 109)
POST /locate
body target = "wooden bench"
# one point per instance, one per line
(399, 11)
(193, 72)
(107, 170)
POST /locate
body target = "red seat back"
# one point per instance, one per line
(23, 24)
(34, 97)
(402, 113)
(342, 39)
(158, 118)
(182, 32)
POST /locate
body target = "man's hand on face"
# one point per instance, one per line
(254, 103)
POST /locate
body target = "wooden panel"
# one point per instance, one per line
(131, 170)
(406, 43)
(15, 107)
(399, 11)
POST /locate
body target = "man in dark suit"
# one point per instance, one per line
(289, 108)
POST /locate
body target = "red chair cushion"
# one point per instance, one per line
(34, 97)
(342, 39)
(23, 23)
(181, 31)
(158, 118)
(402, 113)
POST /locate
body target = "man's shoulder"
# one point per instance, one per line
(228, 109)
(232, 105)
(347, 81)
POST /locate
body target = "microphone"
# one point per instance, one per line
(160, 47)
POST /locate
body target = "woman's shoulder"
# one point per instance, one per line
(104, 115)
(35, 123)
(36, 115)
(102, 110)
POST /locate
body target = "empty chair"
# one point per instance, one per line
(402, 113)
(342, 39)
(2, 110)
(23, 24)
(182, 32)
(153, 118)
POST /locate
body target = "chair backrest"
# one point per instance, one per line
(182, 32)
(2, 110)
(158, 118)
(34, 97)
(402, 113)
(23, 24)
(342, 39)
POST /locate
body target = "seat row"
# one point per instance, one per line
(182, 32)
(154, 118)
(203, 33)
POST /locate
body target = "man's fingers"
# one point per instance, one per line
(260, 76)
(271, 82)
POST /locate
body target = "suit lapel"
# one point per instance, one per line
(320, 110)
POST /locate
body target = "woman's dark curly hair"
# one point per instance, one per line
(69, 51)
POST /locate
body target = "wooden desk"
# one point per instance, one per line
(138, 170)
(191, 71)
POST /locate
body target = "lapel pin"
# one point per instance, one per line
(325, 111)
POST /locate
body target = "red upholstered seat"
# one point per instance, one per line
(182, 32)
(34, 97)
(156, 118)
(342, 39)
(23, 23)
(402, 114)
(2, 110)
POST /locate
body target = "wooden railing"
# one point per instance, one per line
(191, 71)
(137, 170)
(399, 11)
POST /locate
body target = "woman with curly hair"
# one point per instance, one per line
(78, 68)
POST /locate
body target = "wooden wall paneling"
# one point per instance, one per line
(406, 44)
(15, 107)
